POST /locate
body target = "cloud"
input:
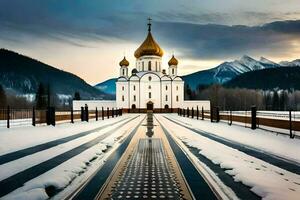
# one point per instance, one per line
(213, 41)
(192, 31)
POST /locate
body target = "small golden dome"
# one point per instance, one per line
(173, 61)
(149, 47)
(124, 62)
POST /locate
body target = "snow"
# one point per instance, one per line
(73, 172)
(251, 63)
(11, 168)
(279, 145)
(266, 180)
(17, 138)
(267, 61)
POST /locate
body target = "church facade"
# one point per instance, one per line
(149, 86)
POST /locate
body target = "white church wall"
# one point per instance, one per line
(154, 89)
(177, 90)
(145, 60)
(194, 104)
(122, 94)
(166, 92)
(134, 94)
(93, 104)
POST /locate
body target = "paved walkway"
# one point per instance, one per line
(147, 170)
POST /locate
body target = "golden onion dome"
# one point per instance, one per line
(124, 62)
(173, 61)
(149, 47)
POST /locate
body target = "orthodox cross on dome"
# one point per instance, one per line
(149, 24)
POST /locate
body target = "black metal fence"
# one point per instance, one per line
(280, 122)
(10, 117)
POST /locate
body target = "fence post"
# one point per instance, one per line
(53, 116)
(8, 116)
(291, 127)
(202, 113)
(96, 114)
(112, 112)
(86, 109)
(218, 114)
(72, 116)
(33, 116)
(197, 112)
(82, 114)
(192, 112)
(230, 119)
(211, 114)
(107, 112)
(188, 112)
(102, 113)
(253, 117)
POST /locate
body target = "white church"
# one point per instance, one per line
(149, 86)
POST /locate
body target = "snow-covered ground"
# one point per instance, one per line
(72, 172)
(279, 145)
(266, 180)
(17, 138)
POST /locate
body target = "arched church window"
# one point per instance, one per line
(166, 87)
(166, 97)
(143, 66)
(149, 78)
(176, 87)
(149, 66)
(173, 71)
(123, 88)
(134, 98)
(133, 106)
(123, 98)
(155, 65)
(149, 95)
(177, 98)
(134, 87)
(149, 87)
(123, 71)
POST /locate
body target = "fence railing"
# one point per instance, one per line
(10, 117)
(288, 121)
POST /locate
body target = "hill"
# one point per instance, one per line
(268, 79)
(21, 75)
(108, 86)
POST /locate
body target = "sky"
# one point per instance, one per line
(90, 37)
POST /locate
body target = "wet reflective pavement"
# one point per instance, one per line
(148, 169)
(147, 174)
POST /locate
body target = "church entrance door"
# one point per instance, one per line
(149, 105)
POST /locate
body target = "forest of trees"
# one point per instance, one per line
(243, 99)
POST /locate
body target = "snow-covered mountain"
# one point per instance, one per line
(294, 63)
(221, 73)
(227, 71)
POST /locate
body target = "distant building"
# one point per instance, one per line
(149, 86)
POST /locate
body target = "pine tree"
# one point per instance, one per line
(275, 105)
(41, 97)
(3, 100)
(77, 96)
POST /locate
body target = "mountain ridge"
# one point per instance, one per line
(222, 73)
(21, 75)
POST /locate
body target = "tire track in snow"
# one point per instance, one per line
(271, 159)
(13, 182)
(34, 149)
